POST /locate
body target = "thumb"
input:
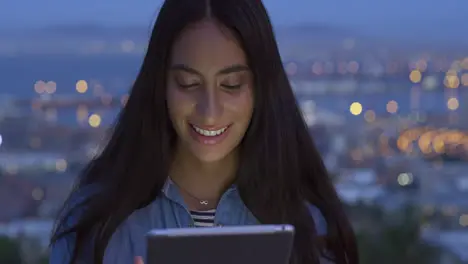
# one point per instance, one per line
(138, 260)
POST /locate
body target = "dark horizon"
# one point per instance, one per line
(308, 32)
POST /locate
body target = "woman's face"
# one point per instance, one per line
(209, 91)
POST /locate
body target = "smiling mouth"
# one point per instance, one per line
(209, 133)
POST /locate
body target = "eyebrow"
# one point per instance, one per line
(224, 71)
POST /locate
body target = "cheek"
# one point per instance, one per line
(178, 103)
(242, 105)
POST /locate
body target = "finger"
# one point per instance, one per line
(138, 260)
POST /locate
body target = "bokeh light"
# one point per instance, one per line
(81, 86)
(452, 103)
(94, 120)
(355, 108)
(392, 107)
(415, 76)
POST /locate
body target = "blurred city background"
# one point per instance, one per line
(383, 86)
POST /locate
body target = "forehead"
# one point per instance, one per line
(207, 45)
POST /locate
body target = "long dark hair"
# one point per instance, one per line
(279, 164)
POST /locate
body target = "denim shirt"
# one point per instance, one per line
(167, 211)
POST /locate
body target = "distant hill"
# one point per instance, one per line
(304, 35)
(89, 31)
(319, 37)
(292, 39)
(314, 30)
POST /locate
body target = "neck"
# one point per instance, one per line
(205, 180)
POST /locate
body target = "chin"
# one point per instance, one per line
(209, 157)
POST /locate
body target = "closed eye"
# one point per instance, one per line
(231, 87)
(185, 86)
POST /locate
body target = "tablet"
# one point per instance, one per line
(255, 244)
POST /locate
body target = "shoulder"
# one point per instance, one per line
(62, 249)
(75, 205)
(319, 219)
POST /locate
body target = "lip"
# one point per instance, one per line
(209, 140)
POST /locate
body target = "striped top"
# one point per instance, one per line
(203, 218)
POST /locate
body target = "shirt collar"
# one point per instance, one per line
(171, 191)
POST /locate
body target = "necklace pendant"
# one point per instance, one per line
(204, 202)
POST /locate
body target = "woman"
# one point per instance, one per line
(211, 127)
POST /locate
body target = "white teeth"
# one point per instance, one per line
(209, 133)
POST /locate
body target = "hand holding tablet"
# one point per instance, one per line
(138, 260)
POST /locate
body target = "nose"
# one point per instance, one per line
(209, 106)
